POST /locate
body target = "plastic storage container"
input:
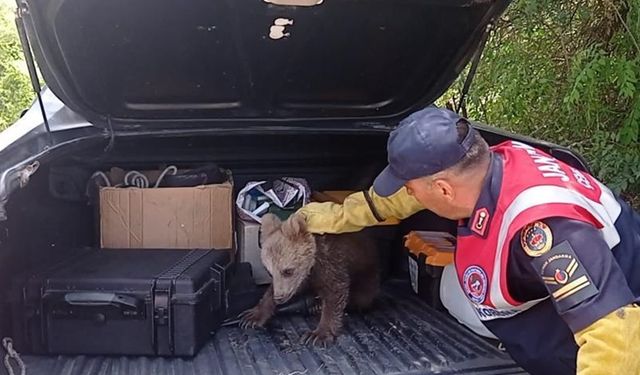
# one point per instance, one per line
(428, 254)
(131, 302)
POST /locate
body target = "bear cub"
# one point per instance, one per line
(341, 269)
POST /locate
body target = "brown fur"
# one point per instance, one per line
(342, 270)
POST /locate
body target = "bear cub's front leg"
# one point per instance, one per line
(259, 315)
(334, 301)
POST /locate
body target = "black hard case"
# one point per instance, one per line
(128, 302)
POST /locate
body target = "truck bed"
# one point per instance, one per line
(401, 335)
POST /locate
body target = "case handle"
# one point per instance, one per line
(101, 299)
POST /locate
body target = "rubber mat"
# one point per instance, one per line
(402, 335)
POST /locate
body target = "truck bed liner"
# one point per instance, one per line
(402, 335)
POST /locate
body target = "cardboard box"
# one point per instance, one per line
(172, 218)
(249, 250)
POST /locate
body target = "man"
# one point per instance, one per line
(546, 255)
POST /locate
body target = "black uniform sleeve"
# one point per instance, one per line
(569, 261)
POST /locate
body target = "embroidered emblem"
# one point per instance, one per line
(564, 266)
(565, 277)
(536, 239)
(480, 221)
(560, 276)
(474, 283)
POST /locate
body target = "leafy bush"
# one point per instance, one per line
(567, 72)
(15, 89)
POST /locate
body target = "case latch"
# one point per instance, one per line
(162, 317)
(161, 307)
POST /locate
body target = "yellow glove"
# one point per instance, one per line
(359, 210)
(611, 345)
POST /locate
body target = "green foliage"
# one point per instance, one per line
(567, 72)
(15, 89)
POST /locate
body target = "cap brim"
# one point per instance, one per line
(387, 184)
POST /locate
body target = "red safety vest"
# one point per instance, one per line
(534, 186)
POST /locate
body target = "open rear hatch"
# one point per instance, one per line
(204, 61)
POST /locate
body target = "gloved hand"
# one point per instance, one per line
(611, 345)
(359, 210)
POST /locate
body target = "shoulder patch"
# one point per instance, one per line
(475, 284)
(481, 221)
(536, 239)
(564, 276)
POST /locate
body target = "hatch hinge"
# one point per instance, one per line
(21, 11)
(462, 104)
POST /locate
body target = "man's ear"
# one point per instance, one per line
(270, 224)
(295, 226)
(445, 189)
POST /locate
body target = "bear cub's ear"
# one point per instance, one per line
(295, 227)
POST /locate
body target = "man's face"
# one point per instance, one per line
(441, 196)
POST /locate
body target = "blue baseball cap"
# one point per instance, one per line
(424, 143)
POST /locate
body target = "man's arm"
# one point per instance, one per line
(590, 292)
(359, 210)
(610, 344)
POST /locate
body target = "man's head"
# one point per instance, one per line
(440, 159)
